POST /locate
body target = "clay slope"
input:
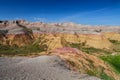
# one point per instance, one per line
(85, 63)
(57, 40)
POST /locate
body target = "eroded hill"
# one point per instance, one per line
(21, 32)
(87, 49)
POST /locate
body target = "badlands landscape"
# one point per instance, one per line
(58, 51)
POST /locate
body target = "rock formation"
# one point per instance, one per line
(38, 38)
(21, 32)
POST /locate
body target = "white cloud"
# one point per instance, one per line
(81, 15)
(40, 19)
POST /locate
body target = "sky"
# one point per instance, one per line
(90, 12)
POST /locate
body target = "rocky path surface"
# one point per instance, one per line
(39, 68)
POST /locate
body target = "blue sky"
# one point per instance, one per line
(93, 12)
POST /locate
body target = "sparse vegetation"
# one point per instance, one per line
(113, 61)
(114, 41)
(116, 45)
(99, 72)
(95, 50)
(89, 50)
(92, 72)
(25, 50)
(105, 77)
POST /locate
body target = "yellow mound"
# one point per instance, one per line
(112, 36)
(54, 40)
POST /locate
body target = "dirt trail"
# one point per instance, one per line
(39, 68)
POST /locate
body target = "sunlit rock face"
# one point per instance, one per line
(56, 35)
(112, 35)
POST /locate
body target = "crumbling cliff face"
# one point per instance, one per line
(54, 35)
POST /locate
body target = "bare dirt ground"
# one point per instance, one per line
(39, 68)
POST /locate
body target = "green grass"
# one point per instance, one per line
(95, 50)
(104, 76)
(89, 50)
(113, 60)
(25, 50)
(28, 49)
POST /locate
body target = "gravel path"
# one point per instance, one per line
(39, 68)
